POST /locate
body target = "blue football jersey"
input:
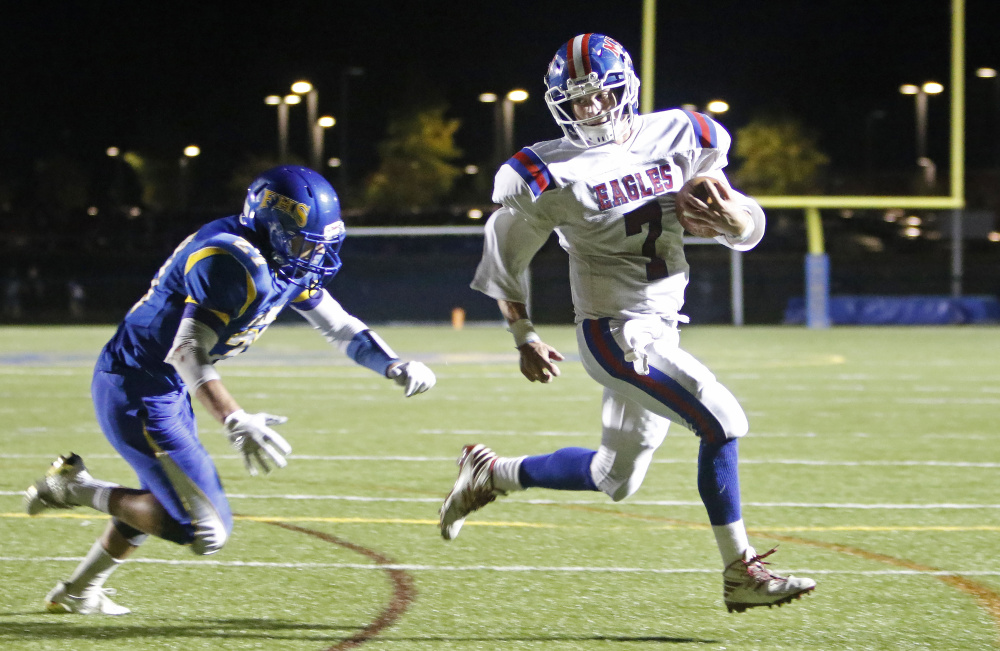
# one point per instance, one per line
(217, 276)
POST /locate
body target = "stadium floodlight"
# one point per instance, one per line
(717, 106)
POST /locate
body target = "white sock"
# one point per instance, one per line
(732, 541)
(87, 491)
(506, 474)
(93, 571)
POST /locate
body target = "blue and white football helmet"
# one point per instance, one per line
(587, 64)
(298, 212)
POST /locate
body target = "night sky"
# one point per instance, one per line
(154, 77)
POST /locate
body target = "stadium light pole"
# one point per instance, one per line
(991, 74)
(190, 152)
(496, 156)
(282, 103)
(319, 131)
(515, 96)
(503, 122)
(345, 77)
(315, 132)
(920, 94)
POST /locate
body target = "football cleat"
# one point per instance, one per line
(472, 490)
(53, 490)
(748, 584)
(93, 601)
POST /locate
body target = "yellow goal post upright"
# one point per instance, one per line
(817, 264)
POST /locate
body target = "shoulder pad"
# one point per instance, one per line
(226, 243)
(708, 134)
(524, 172)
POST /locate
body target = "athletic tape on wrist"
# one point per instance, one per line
(524, 332)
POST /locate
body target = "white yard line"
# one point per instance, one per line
(485, 568)
(602, 502)
(451, 459)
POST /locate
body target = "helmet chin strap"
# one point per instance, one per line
(611, 131)
(597, 134)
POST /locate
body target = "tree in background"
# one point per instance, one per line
(777, 156)
(415, 172)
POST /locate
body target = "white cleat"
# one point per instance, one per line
(748, 584)
(53, 490)
(472, 490)
(93, 601)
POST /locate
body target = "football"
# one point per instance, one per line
(699, 188)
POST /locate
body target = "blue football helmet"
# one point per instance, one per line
(298, 212)
(587, 64)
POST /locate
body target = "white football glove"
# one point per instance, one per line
(414, 376)
(638, 335)
(252, 436)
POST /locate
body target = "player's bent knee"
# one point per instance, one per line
(726, 409)
(617, 475)
(618, 491)
(130, 534)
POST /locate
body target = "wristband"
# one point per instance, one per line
(524, 332)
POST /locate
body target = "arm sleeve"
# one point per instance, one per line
(347, 332)
(189, 353)
(511, 241)
(759, 223)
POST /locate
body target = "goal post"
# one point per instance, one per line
(817, 263)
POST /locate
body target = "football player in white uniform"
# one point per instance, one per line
(618, 190)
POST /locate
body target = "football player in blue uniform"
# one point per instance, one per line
(221, 288)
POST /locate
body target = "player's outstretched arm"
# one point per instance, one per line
(363, 345)
(538, 359)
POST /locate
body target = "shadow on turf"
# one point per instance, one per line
(107, 628)
(657, 639)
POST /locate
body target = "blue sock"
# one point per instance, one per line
(719, 481)
(567, 469)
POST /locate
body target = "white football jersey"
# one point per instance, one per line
(612, 208)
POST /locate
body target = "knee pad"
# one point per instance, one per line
(725, 408)
(131, 534)
(620, 475)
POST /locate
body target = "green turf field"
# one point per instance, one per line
(873, 462)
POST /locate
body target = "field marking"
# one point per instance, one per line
(672, 526)
(988, 599)
(570, 569)
(687, 461)
(403, 594)
(598, 502)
